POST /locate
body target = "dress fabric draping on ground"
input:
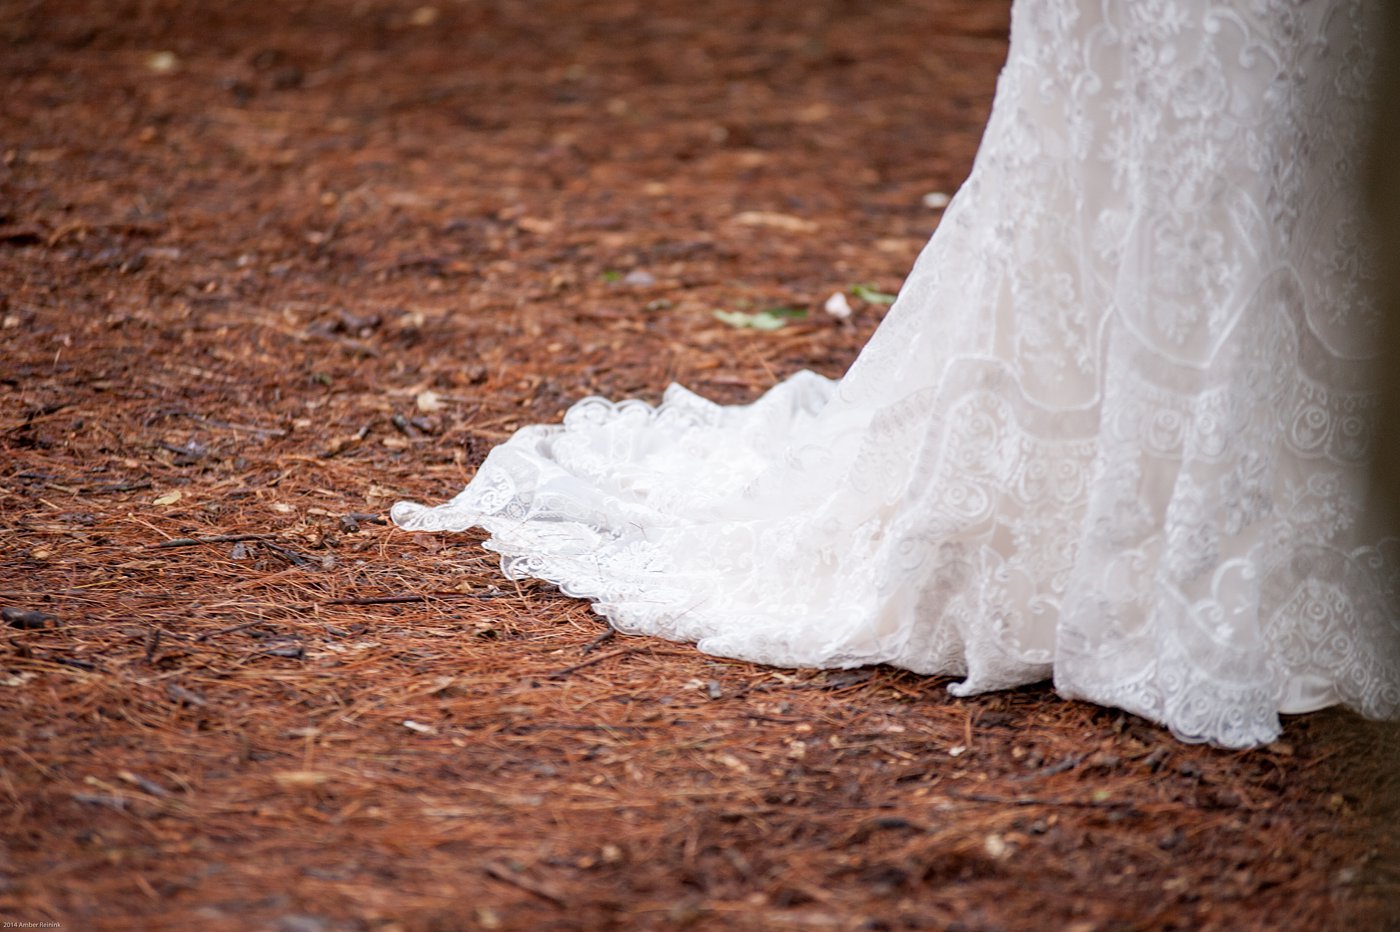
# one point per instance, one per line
(1113, 431)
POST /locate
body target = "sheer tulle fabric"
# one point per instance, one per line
(1112, 432)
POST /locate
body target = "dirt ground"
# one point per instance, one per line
(267, 267)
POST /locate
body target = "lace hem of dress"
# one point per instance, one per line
(617, 506)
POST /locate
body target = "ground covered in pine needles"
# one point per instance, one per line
(267, 267)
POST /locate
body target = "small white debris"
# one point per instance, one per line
(169, 498)
(162, 62)
(837, 306)
(996, 847)
(419, 727)
(936, 200)
(957, 750)
(640, 278)
(428, 402)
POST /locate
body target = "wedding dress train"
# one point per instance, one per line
(1112, 432)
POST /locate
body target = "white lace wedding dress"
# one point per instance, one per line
(1113, 431)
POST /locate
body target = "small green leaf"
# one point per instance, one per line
(868, 293)
(612, 275)
(781, 311)
(733, 318)
(763, 320)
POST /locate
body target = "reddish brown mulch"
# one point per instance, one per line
(266, 267)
